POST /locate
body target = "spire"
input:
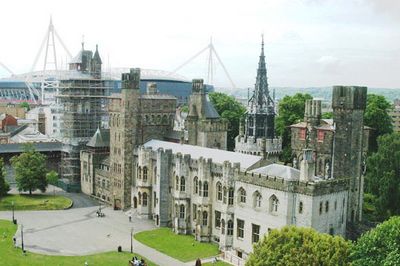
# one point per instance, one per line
(83, 42)
(261, 93)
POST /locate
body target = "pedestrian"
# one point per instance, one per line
(130, 217)
(198, 262)
(15, 242)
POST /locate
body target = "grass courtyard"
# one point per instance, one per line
(13, 256)
(25, 202)
(219, 263)
(182, 247)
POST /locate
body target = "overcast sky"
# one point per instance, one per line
(307, 42)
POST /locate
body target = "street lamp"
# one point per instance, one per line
(131, 240)
(22, 238)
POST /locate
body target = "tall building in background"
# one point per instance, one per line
(258, 135)
(395, 115)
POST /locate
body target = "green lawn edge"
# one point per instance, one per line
(14, 256)
(181, 247)
(37, 202)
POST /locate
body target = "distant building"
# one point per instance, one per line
(395, 115)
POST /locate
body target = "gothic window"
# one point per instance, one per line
(144, 199)
(194, 211)
(182, 211)
(230, 196)
(144, 174)
(301, 207)
(320, 135)
(302, 134)
(320, 208)
(140, 198)
(154, 199)
(240, 228)
(155, 175)
(205, 217)
(205, 189)
(217, 219)
(200, 189)
(225, 196)
(183, 188)
(230, 228)
(255, 233)
(139, 172)
(327, 206)
(219, 191)
(103, 183)
(335, 205)
(196, 185)
(222, 226)
(177, 183)
(273, 204)
(257, 199)
(242, 195)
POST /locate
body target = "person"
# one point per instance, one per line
(198, 262)
(130, 217)
(15, 242)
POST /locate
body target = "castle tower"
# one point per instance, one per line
(348, 105)
(259, 118)
(312, 112)
(96, 64)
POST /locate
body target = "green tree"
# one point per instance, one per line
(383, 175)
(52, 178)
(25, 105)
(30, 170)
(290, 111)
(299, 246)
(228, 108)
(327, 115)
(379, 246)
(4, 187)
(376, 116)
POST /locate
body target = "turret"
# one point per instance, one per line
(307, 166)
(312, 112)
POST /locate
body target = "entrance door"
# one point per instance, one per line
(134, 202)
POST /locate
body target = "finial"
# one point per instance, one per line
(262, 42)
(97, 47)
(83, 42)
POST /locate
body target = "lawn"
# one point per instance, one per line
(182, 247)
(24, 202)
(13, 256)
(219, 263)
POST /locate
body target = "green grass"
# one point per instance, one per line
(24, 202)
(219, 263)
(182, 247)
(10, 256)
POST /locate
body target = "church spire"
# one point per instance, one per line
(261, 87)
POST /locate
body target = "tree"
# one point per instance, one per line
(291, 111)
(379, 246)
(30, 170)
(383, 175)
(52, 178)
(25, 105)
(327, 115)
(4, 187)
(228, 108)
(299, 246)
(376, 116)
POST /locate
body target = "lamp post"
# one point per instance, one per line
(22, 237)
(13, 206)
(131, 240)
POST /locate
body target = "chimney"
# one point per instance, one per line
(307, 166)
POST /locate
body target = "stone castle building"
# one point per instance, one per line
(230, 198)
(257, 137)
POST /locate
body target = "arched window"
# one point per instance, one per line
(144, 199)
(182, 211)
(139, 172)
(242, 195)
(222, 226)
(140, 198)
(205, 189)
(155, 175)
(229, 232)
(183, 188)
(300, 207)
(177, 183)
(273, 204)
(205, 218)
(144, 174)
(103, 183)
(225, 195)
(196, 185)
(231, 196)
(219, 191)
(154, 199)
(200, 189)
(257, 199)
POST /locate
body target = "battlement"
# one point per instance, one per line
(349, 97)
(131, 80)
(312, 111)
(197, 86)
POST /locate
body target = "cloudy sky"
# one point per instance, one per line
(307, 42)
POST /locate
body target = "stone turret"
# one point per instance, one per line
(312, 112)
(307, 166)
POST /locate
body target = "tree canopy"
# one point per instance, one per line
(299, 246)
(25, 105)
(383, 175)
(4, 187)
(228, 108)
(30, 170)
(379, 246)
(290, 111)
(376, 116)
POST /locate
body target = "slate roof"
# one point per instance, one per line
(209, 110)
(278, 170)
(100, 139)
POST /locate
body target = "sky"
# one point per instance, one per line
(307, 42)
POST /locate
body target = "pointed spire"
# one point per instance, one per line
(83, 42)
(262, 44)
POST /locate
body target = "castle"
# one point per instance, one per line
(230, 198)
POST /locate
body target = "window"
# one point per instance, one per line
(240, 228)
(230, 228)
(335, 205)
(139, 172)
(196, 185)
(217, 219)
(230, 198)
(183, 188)
(177, 183)
(200, 189)
(219, 191)
(155, 175)
(140, 198)
(205, 217)
(144, 199)
(257, 199)
(242, 195)
(320, 135)
(225, 196)
(301, 207)
(194, 211)
(222, 226)
(273, 204)
(320, 208)
(327, 206)
(255, 235)
(145, 174)
(205, 189)
(302, 134)
(154, 199)
(103, 183)
(182, 211)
